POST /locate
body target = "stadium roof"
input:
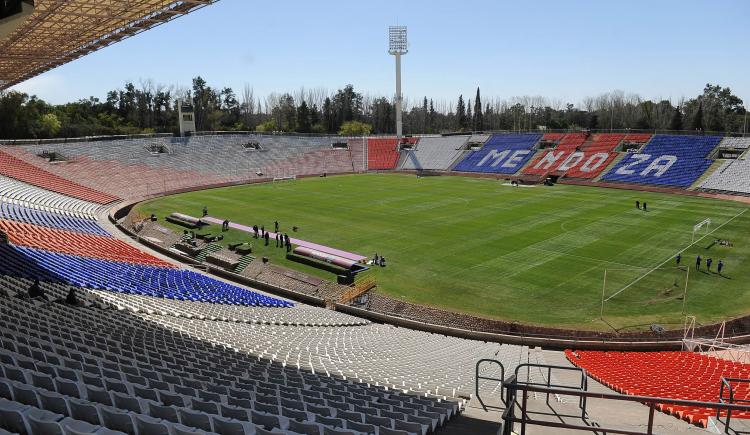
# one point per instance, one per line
(59, 31)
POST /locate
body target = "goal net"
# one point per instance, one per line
(705, 224)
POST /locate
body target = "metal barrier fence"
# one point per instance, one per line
(514, 388)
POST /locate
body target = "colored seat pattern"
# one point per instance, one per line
(120, 277)
(382, 153)
(572, 141)
(666, 160)
(75, 243)
(27, 215)
(553, 137)
(673, 375)
(13, 167)
(637, 137)
(577, 159)
(501, 154)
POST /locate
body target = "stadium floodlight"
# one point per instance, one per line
(398, 46)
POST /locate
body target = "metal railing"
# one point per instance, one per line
(726, 385)
(477, 378)
(513, 388)
(583, 384)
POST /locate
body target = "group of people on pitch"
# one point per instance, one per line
(282, 240)
(639, 207)
(699, 262)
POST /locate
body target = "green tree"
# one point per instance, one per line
(303, 118)
(461, 114)
(697, 123)
(328, 119)
(675, 123)
(49, 125)
(355, 128)
(478, 121)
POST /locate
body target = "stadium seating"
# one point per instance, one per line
(382, 153)
(733, 176)
(553, 137)
(302, 315)
(574, 159)
(19, 213)
(126, 278)
(674, 375)
(740, 143)
(479, 139)
(572, 141)
(666, 161)
(13, 167)
(501, 154)
(116, 371)
(435, 153)
(130, 170)
(637, 137)
(29, 196)
(75, 243)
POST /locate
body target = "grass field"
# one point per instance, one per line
(534, 255)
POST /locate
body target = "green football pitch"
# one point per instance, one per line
(535, 255)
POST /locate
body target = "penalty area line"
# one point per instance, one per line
(673, 256)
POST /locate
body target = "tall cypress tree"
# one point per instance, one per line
(676, 122)
(478, 121)
(461, 113)
(698, 118)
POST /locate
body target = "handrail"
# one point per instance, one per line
(583, 386)
(512, 387)
(728, 383)
(477, 378)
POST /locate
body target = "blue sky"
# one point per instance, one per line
(563, 50)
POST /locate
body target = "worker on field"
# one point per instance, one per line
(678, 258)
(698, 262)
(638, 205)
(277, 240)
(720, 266)
(276, 226)
(255, 230)
(645, 207)
(288, 243)
(263, 231)
(205, 211)
(709, 262)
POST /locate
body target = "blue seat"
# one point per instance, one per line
(127, 278)
(667, 160)
(501, 154)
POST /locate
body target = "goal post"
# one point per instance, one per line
(706, 223)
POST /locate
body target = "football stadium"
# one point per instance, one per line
(184, 260)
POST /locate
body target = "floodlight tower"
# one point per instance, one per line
(397, 47)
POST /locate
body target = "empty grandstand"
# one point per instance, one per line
(666, 160)
(434, 153)
(501, 154)
(221, 280)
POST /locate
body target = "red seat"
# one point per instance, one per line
(672, 375)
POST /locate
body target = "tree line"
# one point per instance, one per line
(150, 108)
